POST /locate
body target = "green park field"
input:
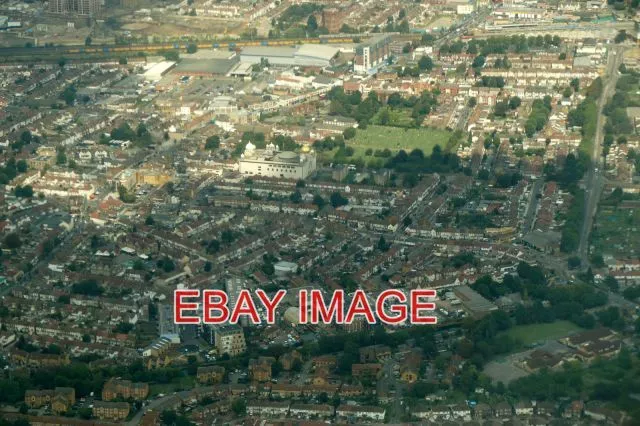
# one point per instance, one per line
(397, 138)
(529, 334)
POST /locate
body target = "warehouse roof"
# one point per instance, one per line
(317, 51)
(269, 51)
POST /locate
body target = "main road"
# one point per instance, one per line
(594, 182)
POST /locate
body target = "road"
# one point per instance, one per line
(594, 182)
(156, 404)
(532, 208)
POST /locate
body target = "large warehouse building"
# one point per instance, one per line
(306, 55)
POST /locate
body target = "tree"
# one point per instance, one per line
(213, 142)
(620, 37)
(319, 201)
(597, 260)
(172, 55)
(296, 197)
(12, 241)
(23, 191)
(88, 287)
(349, 133)
(500, 109)
(239, 406)
(515, 102)
(88, 41)
(312, 23)
(611, 282)
(575, 84)
(425, 63)
(382, 244)
(61, 157)
(478, 62)
(567, 92)
(337, 200)
(192, 48)
(68, 95)
(574, 262)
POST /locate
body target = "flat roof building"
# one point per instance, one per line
(371, 54)
(304, 55)
(274, 163)
(477, 305)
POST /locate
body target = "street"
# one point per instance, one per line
(594, 181)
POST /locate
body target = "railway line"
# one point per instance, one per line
(181, 46)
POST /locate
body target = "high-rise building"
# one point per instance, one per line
(230, 340)
(76, 7)
(58, 6)
(371, 53)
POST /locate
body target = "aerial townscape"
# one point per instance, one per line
(487, 151)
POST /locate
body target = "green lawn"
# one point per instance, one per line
(182, 383)
(615, 231)
(529, 334)
(397, 117)
(395, 138)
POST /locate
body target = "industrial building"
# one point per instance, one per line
(306, 55)
(273, 163)
(157, 71)
(371, 54)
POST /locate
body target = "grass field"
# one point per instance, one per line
(529, 334)
(182, 383)
(615, 232)
(395, 138)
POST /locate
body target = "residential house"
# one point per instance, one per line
(503, 409)
(361, 412)
(210, 374)
(260, 369)
(524, 408)
(125, 389)
(116, 411)
(309, 411)
(368, 371)
(267, 408)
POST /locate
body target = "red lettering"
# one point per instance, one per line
(179, 306)
(245, 306)
(417, 306)
(359, 306)
(400, 309)
(220, 305)
(302, 302)
(271, 305)
(336, 307)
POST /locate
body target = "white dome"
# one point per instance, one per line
(249, 147)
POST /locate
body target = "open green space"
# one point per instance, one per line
(180, 384)
(396, 138)
(615, 231)
(532, 333)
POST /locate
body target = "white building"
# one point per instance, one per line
(274, 163)
(362, 412)
(464, 9)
